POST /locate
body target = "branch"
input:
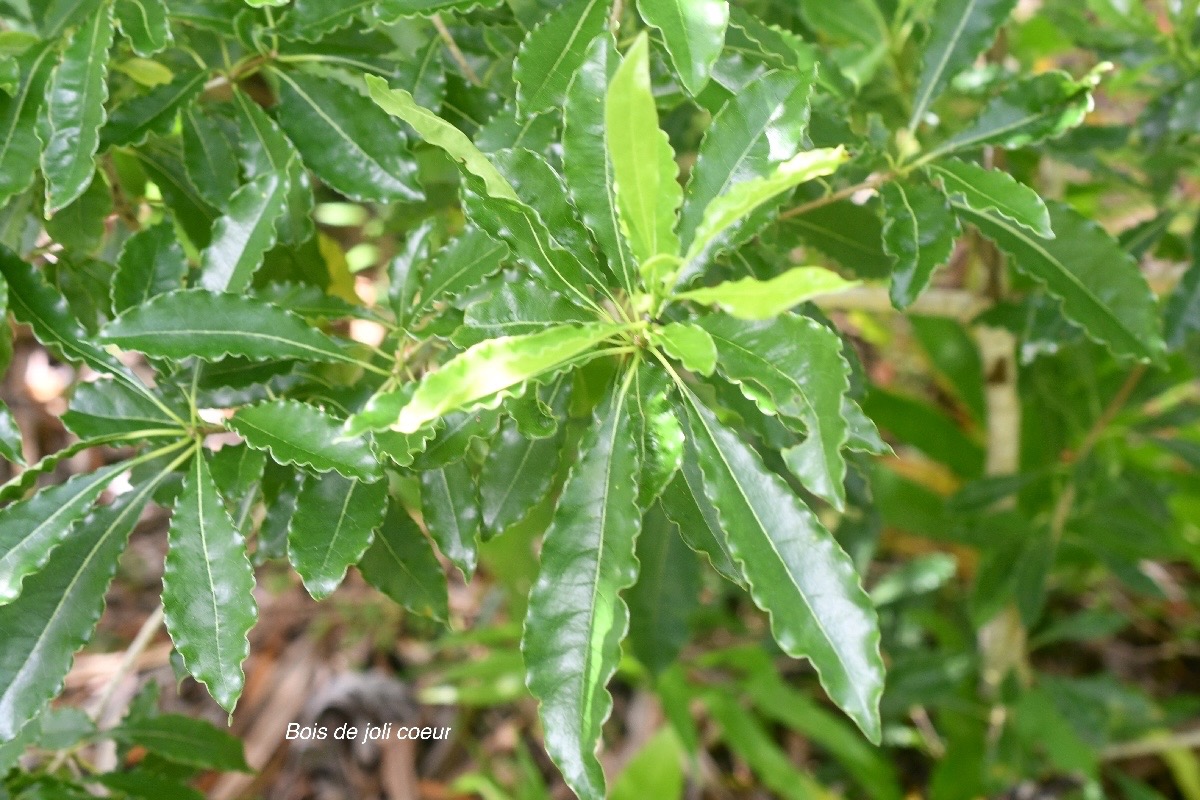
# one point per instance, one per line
(455, 53)
(1152, 746)
(954, 303)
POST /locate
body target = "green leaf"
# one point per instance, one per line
(211, 160)
(58, 610)
(265, 150)
(155, 112)
(858, 21)
(655, 771)
(927, 429)
(553, 51)
(793, 367)
(753, 299)
(919, 231)
(990, 191)
(685, 504)
(31, 529)
(436, 131)
(74, 110)
(450, 504)
(458, 267)
(401, 563)
(81, 226)
(195, 322)
(425, 76)
(163, 162)
(53, 17)
(349, 143)
(244, 234)
(151, 263)
(184, 740)
(106, 407)
(10, 437)
(955, 355)
(145, 25)
(208, 587)
(516, 475)
(742, 198)
(688, 344)
(694, 33)
(850, 234)
(665, 595)
(796, 570)
(576, 618)
(959, 31)
(20, 147)
(297, 433)
(643, 163)
(516, 309)
(494, 366)
(1181, 316)
(331, 528)
(660, 436)
(1098, 283)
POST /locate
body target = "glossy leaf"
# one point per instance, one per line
(244, 234)
(297, 433)
(688, 344)
(685, 504)
(265, 150)
(208, 587)
(458, 267)
(151, 263)
(850, 234)
(553, 51)
(211, 158)
(516, 309)
(694, 33)
(990, 191)
(576, 618)
(145, 25)
(659, 436)
(665, 595)
(401, 563)
(753, 299)
(331, 528)
(516, 475)
(450, 504)
(106, 407)
(20, 147)
(155, 112)
(919, 231)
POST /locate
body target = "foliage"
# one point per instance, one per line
(583, 217)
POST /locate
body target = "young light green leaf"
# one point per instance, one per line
(351, 144)
(244, 234)
(1098, 283)
(297, 433)
(694, 33)
(74, 113)
(208, 587)
(436, 131)
(450, 505)
(576, 618)
(151, 263)
(919, 231)
(959, 31)
(666, 593)
(553, 51)
(643, 163)
(20, 147)
(332, 527)
(793, 367)
(743, 198)
(797, 572)
(145, 25)
(196, 322)
(994, 191)
(688, 344)
(401, 564)
(494, 366)
(750, 298)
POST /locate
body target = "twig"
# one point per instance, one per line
(140, 642)
(455, 53)
(872, 182)
(1155, 745)
(614, 19)
(954, 303)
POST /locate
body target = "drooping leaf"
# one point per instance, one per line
(659, 438)
(694, 33)
(401, 563)
(151, 263)
(196, 322)
(74, 113)
(154, 112)
(184, 740)
(685, 504)
(753, 299)
(919, 232)
(994, 191)
(643, 163)
(450, 504)
(666, 593)
(210, 155)
(208, 587)
(145, 25)
(301, 434)
(331, 528)
(850, 234)
(106, 407)
(796, 570)
(20, 147)
(163, 161)
(351, 144)
(516, 475)
(458, 267)
(959, 31)
(553, 51)
(244, 234)
(494, 366)
(576, 618)
(1098, 283)
(266, 150)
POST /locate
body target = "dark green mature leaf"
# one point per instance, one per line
(955, 355)
(859, 21)
(450, 504)
(55, 16)
(208, 587)
(163, 162)
(848, 233)
(74, 112)
(184, 740)
(517, 473)
(265, 150)
(665, 595)
(196, 322)
(516, 309)
(576, 618)
(694, 33)
(106, 407)
(796, 570)
(553, 51)
(685, 504)
(331, 528)
(10, 437)
(496, 365)
(350, 143)
(155, 112)
(211, 159)
(643, 163)
(31, 529)
(244, 234)
(151, 263)
(959, 31)
(145, 24)
(993, 191)
(425, 76)
(793, 367)
(312, 19)
(297, 433)
(458, 267)
(1098, 283)
(58, 609)
(401, 564)
(20, 146)
(82, 224)
(1181, 316)
(927, 429)
(919, 231)
(660, 437)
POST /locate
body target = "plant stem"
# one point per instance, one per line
(455, 53)
(1152, 746)
(872, 182)
(141, 641)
